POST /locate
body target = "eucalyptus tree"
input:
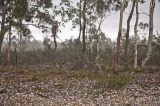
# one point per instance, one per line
(150, 38)
(128, 30)
(117, 57)
(80, 21)
(84, 25)
(19, 14)
(103, 10)
(39, 16)
(136, 36)
(10, 15)
(43, 15)
(94, 12)
(3, 11)
(143, 27)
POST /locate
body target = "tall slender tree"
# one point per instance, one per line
(84, 25)
(117, 55)
(9, 44)
(150, 38)
(128, 31)
(80, 21)
(136, 36)
(2, 32)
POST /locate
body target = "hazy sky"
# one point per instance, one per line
(110, 25)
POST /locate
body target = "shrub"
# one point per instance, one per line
(116, 82)
(112, 81)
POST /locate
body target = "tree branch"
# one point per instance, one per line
(139, 13)
(144, 13)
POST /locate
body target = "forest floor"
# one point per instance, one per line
(45, 86)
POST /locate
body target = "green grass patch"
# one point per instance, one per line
(112, 81)
(130, 69)
(140, 69)
(79, 74)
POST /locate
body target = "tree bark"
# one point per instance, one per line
(128, 30)
(116, 61)
(136, 36)
(150, 38)
(84, 26)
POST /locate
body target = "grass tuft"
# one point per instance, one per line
(112, 81)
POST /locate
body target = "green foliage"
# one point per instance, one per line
(48, 3)
(100, 6)
(140, 69)
(21, 7)
(143, 25)
(128, 68)
(154, 60)
(44, 3)
(104, 78)
(158, 41)
(30, 14)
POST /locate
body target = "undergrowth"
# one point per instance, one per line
(103, 78)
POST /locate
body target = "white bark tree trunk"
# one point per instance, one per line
(150, 39)
(136, 36)
(9, 45)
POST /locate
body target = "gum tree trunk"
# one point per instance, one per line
(80, 21)
(150, 39)
(128, 30)
(84, 26)
(2, 32)
(9, 45)
(117, 55)
(136, 36)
